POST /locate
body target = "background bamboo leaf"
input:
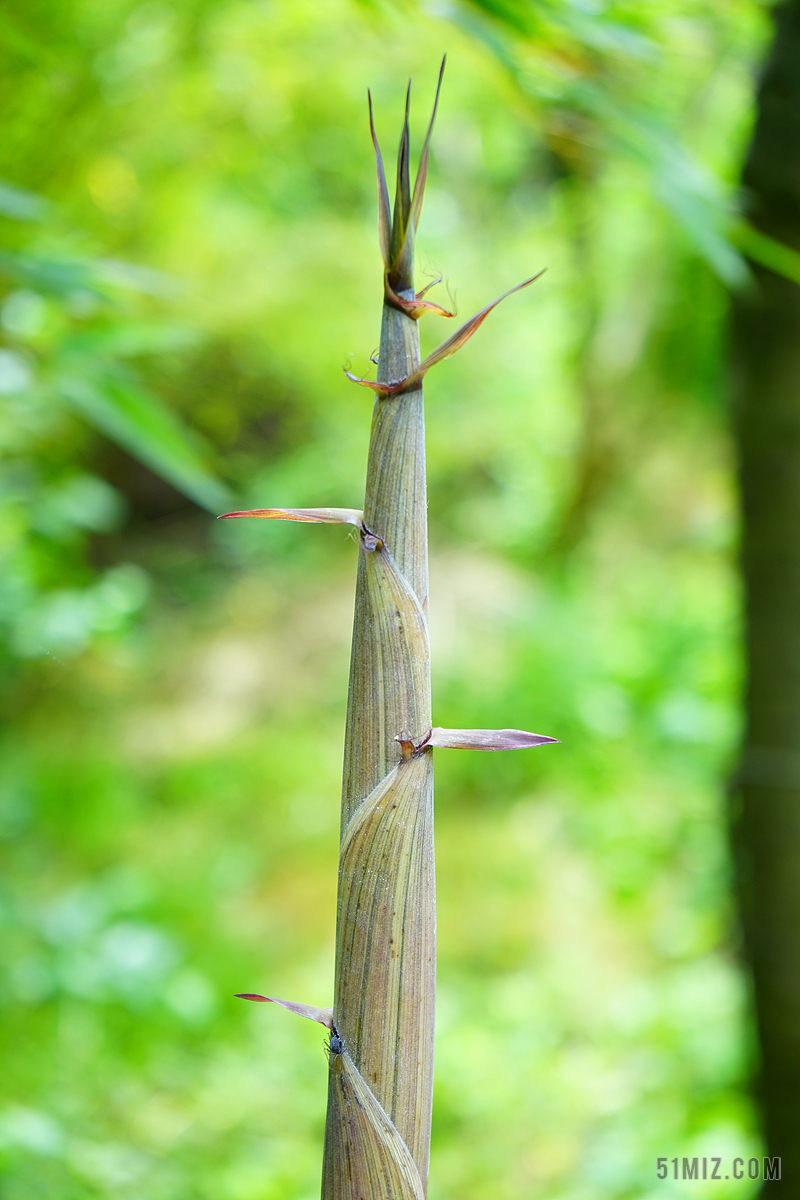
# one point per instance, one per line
(121, 409)
(761, 248)
(636, 130)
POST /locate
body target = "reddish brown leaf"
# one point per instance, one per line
(414, 308)
(319, 516)
(323, 1015)
(380, 389)
(462, 335)
(447, 348)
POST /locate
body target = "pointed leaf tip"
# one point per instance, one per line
(323, 1015)
(399, 265)
(422, 169)
(384, 207)
(487, 739)
(462, 335)
(447, 348)
(317, 516)
(408, 205)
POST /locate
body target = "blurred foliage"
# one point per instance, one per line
(68, 337)
(189, 258)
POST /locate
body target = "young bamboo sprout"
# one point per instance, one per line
(377, 1134)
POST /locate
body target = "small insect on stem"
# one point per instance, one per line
(336, 1045)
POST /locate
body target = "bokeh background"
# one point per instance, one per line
(189, 257)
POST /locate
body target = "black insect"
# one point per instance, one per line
(336, 1044)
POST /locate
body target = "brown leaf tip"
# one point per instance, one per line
(323, 1015)
(313, 516)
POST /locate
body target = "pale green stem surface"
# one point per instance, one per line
(385, 947)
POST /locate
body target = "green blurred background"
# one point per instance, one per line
(189, 257)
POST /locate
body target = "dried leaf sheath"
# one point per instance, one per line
(385, 969)
(390, 676)
(365, 1156)
(387, 890)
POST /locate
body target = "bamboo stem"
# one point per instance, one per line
(384, 992)
(380, 1090)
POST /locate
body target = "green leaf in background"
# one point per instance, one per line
(58, 276)
(113, 401)
(63, 276)
(687, 189)
(126, 412)
(589, 76)
(766, 251)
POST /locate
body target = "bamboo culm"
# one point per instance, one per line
(380, 1089)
